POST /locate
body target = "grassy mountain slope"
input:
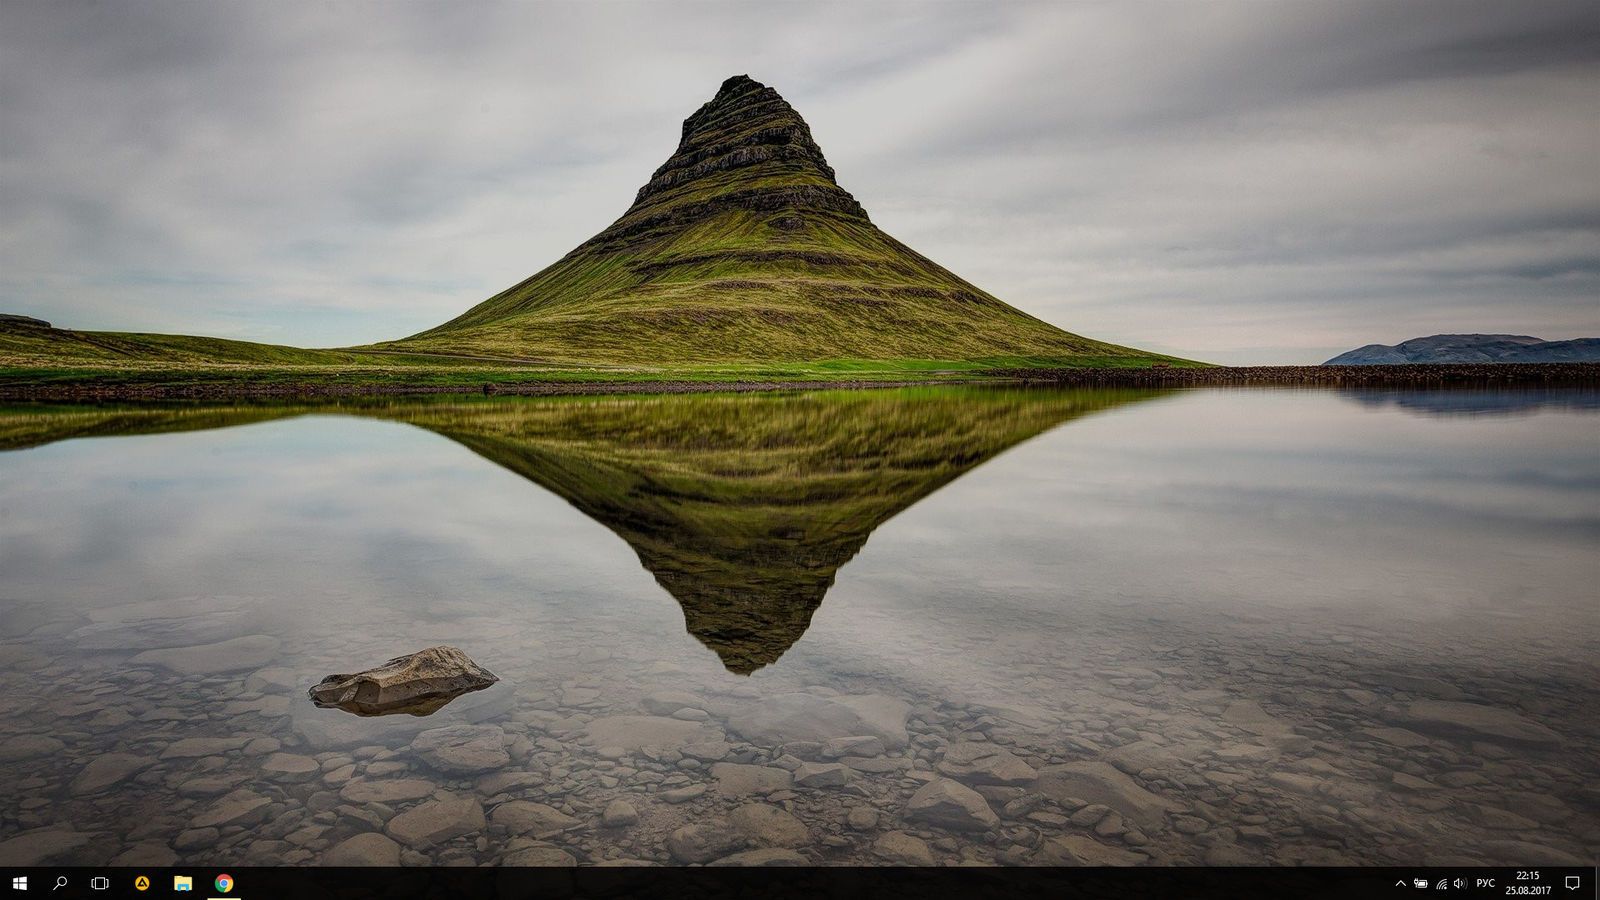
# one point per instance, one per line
(743, 248)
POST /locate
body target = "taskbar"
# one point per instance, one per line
(618, 881)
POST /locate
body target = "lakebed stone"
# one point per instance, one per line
(240, 807)
(526, 817)
(197, 747)
(462, 749)
(820, 775)
(252, 652)
(394, 790)
(29, 746)
(173, 622)
(327, 729)
(950, 804)
(980, 762)
(657, 732)
(48, 847)
(107, 770)
(539, 856)
(291, 768)
(437, 821)
(683, 794)
(1099, 782)
(702, 842)
(365, 849)
(901, 849)
(760, 859)
(737, 780)
(1471, 720)
(1078, 850)
(1248, 716)
(806, 717)
(619, 814)
(765, 825)
(272, 680)
(857, 745)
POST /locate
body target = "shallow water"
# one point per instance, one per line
(1119, 627)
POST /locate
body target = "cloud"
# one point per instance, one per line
(1252, 181)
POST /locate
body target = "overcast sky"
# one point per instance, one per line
(1248, 182)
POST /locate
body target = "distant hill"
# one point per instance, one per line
(28, 341)
(1472, 348)
(743, 248)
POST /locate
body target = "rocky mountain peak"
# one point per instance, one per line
(746, 137)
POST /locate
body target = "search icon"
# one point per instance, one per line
(60, 883)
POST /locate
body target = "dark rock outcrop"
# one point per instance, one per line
(15, 320)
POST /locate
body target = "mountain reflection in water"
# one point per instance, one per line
(743, 508)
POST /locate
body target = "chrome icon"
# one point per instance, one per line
(224, 883)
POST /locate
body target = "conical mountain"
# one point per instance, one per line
(744, 248)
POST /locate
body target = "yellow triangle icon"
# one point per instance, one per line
(142, 883)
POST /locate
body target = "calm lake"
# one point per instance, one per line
(934, 625)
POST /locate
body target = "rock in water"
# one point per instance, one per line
(980, 762)
(462, 749)
(1473, 721)
(901, 849)
(108, 770)
(946, 804)
(251, 652)
(1098, 782)
(764, 825)
(619, 814)
(703, 842)
(367, 849)
(437, 821)
(805, 717)
(418, 684)
(53, 847)
(1078, 850)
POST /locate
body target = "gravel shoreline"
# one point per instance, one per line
(1417, 374)
(1412, 374)
(539, 389)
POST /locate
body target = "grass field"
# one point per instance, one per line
(46, 358)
